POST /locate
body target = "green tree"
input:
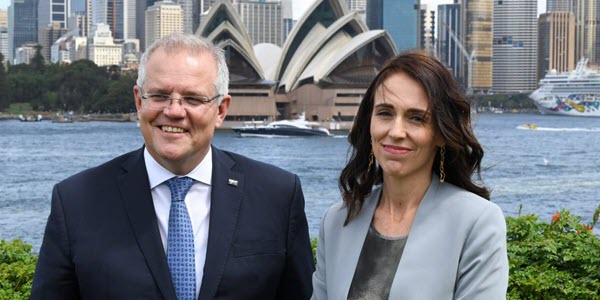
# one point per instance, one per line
(37, 62)
(17, 265)
(82, 85)
(4, 91)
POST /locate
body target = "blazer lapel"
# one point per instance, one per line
(226, 198)
(352, 238)
(135, 191)
(410, 265)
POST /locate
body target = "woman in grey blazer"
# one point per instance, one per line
(412, 224)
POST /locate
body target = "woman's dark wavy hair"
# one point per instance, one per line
(451, 117)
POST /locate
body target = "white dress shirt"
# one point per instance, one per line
(197, 201)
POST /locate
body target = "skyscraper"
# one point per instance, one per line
(101, 47)
(263, 20)
(119, 15)
(426, 28)
(559, 5)
(448, 50)
(22, 25)
(163, 18)
(47, 36)
(477, 39)
(287, 12)
(188, 14)
(515, 46)
(53, 11)
(400, 18)
(556, 41)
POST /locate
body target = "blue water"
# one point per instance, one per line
(553, 167)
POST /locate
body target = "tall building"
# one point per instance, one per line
(101, 47)
(3, 18)
(426, 28)
(556, 42)
(477, 38)
(559, 5)
(47, 36)
(187, 8)
(515, 46)
(163, 18)
(77, 21)
(400, 18)
(4, 43)
(287, 12)
(263, 20)
(22, 25)
(119, 15)
(53, 11)
(88, 18)
(359, 6)
(448, 50)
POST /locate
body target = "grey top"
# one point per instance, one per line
(376, 266)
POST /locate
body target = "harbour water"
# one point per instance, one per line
(554, 166)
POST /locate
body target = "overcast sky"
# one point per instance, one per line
(300, 6)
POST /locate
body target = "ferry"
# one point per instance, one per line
(575, 93)
(299, 127)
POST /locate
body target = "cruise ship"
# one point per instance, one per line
(575, 93)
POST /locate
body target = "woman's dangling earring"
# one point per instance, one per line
(371, 158)
(442, 173)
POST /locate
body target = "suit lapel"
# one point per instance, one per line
(135, 191)
(226, 198)
(352, 238)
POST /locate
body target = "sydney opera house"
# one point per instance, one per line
(323, 69)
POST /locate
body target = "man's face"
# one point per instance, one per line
(178, 138)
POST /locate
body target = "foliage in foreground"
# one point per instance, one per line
(556, 260)
(17, 265)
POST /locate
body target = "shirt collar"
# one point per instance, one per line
(157, 174)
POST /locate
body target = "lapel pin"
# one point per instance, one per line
(233, 182)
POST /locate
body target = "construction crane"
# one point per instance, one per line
(469, 57)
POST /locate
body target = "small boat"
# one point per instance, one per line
(528, 126)
(299, 127)
(30, 118)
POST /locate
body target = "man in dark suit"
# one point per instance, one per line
(177, 219)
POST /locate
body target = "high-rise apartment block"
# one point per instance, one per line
(556, 42)
(22, 25)
(102, 49)
(163, 18)
(477, 38)
(400, 18)
(426, 28)
(448, 50)
(3, 18)
(53, 11)
(77, 21)
(263, 20)
(515, 46)
(47, 36)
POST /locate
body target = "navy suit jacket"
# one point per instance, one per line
(102, 239)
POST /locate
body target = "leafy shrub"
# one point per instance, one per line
(17, 265)
(556, 260)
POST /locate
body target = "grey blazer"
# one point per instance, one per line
(456, 248)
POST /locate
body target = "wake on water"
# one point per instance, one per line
(536, 128)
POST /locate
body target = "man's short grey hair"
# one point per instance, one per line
(176, 43)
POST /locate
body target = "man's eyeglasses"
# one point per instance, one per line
(160, 101)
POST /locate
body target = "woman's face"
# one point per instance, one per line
(402, 132)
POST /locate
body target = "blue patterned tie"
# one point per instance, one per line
(180, 241)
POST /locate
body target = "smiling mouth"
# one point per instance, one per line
(172, 129)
